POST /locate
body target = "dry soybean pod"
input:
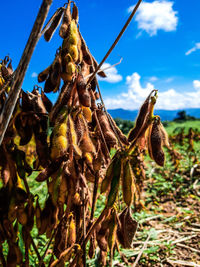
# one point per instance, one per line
(75, 13)
(121, 136)
(128, 186)
(156, 142)
(114, 188)
(66, 21)
(140, 119)
(55, 22)
(109, 175)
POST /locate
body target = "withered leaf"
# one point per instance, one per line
(126, 231)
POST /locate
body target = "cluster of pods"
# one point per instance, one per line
(73, 139)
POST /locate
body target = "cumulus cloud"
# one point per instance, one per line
(112, 74)
(193, 49)
(34, 75)
(196, 84)
(169, 99)
(157, 15)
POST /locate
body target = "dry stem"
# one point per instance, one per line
(116, 40)
(22, 67)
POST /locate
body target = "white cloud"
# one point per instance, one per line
(169, 99)
(157, 15)
(112, 74)
(153, 79)
(196, 84)
(34, 75)
(169, 80)
(193, 49)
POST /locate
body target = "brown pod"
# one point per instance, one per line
(86, 144)
(93, 100)
(87, 57)
(91, 251)
(47, 103)
(155, 144)
(10, 68)
(23, 129)
(96, 94)
(102, 234)
(143, 112)
(122, 137)
(49, 170)
(49, 86)
(71, 232)
(83, 93)
(62, 100)
(55, 74)
(93, 85)
(42, 76)
(75, 13)
(165, 139)
(7, 71)
(80, 127)
(66, 21)
(80, 53)
(110, 138)
(60, 243)
(55, 22)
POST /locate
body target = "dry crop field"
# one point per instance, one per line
(74, 189)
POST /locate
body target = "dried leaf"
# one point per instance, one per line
(126, 231)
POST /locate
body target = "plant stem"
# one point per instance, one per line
(96, 183)
(22, 68)
(116, 40)
(84, 227)
(35, 248)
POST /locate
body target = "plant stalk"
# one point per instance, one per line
(22, 68)
(116, 40)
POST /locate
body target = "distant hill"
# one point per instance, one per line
(166, 115)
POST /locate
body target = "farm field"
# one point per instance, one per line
(169, 212)
(79, 188)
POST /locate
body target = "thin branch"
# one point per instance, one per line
(107, 68)
(35, 248)
(182, 239)
(49, 243)
(188, 247)
(95, 224)
(141, 251)
(183, 263)
(94, 199)
(116, 40)
(22, 68)
(84, 227)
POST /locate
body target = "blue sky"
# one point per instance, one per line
(160, 48)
